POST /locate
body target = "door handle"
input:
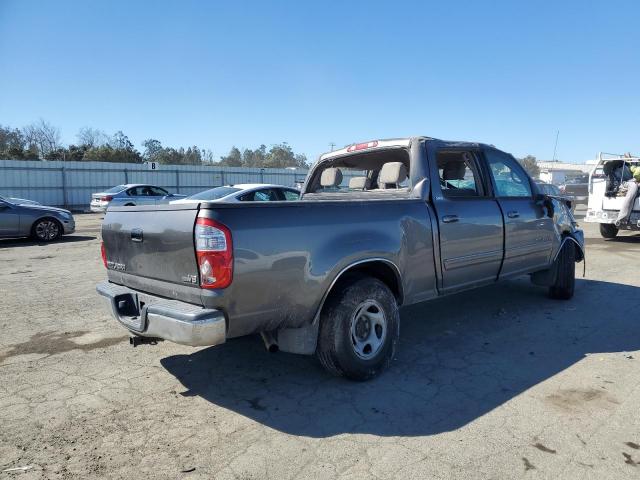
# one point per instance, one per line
(136, 235)
(513, 214)
(450, 219)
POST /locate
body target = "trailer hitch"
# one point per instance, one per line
(135, 340)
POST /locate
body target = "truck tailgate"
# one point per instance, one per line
(151, 242)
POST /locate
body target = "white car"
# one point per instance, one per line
(606, 197)
(244, 192)
(130, 195)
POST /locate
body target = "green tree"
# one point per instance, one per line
(232, 159)
(13, 145)
(530, 164)
(106, 153)
(278, 156)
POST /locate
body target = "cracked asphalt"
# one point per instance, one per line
(500, 382)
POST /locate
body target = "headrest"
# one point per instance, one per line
(392, 172)
(359, 183)
(454, 170)
(331, 177)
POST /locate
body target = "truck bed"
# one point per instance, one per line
(275, 282)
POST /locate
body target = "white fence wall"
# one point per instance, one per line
(70, 184)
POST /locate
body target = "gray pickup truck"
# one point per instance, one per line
(379, 225)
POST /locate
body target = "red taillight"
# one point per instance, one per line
(107, 198)
(362, 146)
(214, 252)
(103, 252)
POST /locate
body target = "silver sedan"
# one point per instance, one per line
(26, 220)
(130, 195)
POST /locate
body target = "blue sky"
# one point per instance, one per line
(218, 74)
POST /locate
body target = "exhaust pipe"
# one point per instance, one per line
(270, 341)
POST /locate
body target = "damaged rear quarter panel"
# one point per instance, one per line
(286, 258)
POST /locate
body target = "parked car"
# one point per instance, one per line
(554, 191)
(607, 195)
(131, 195)
(547, 188)
(379, 225)
(44, 224)
(243, 192)
(576, 189)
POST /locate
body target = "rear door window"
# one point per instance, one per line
(264, 195)
(459, 174)
(157, 192)
(290, 195)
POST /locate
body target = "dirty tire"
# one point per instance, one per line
(46, 230)
(608, 230)
(355, 302)
(564, 286)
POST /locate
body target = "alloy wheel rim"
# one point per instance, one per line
(47, 230)
(368, 329)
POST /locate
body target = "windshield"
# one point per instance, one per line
(214, 193)
(115, 189)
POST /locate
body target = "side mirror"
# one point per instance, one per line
(539, 198)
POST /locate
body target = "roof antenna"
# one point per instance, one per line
(332, 145)
(555, 147)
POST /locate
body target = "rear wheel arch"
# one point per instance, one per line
(384, 270)
(379, 268)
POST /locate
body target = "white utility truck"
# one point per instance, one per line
(607, 193)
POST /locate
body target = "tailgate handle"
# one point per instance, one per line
(136, 235)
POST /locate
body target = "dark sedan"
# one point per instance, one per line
(38, 221)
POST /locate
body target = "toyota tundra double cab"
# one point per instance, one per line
(379, 225)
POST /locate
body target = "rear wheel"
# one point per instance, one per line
(359, 329)
(564, 285)
(46, 230)
(608, 230)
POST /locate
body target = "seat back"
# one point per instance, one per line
(391, 175)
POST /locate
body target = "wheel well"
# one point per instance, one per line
(381, 270)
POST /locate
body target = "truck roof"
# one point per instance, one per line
(394, 142)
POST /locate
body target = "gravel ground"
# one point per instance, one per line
(499, 382)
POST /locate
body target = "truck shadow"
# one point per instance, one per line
(459, 358)
(29, 242)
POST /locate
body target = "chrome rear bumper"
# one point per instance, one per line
(150, 316)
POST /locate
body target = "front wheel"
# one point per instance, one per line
(607, 230)
(46, 230)
(564, 285)
(359, 329)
